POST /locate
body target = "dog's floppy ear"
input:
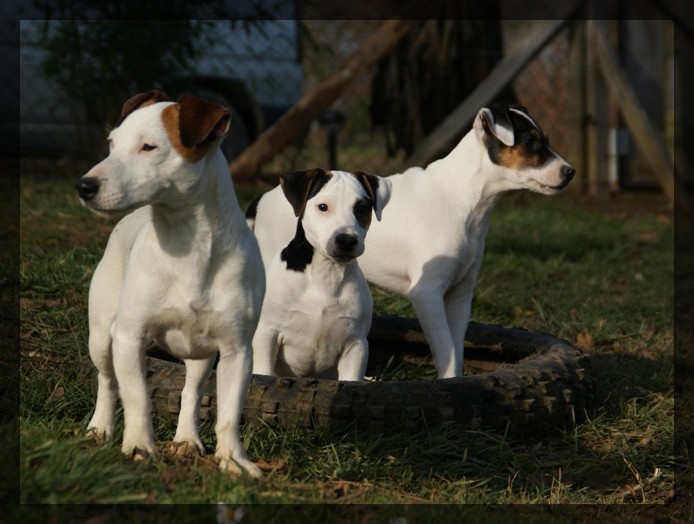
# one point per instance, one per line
(494, 121)
(141, 100)
(378, 189)
(299, 186)
(201, 121)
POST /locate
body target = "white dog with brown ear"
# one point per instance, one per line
(317, 310)
(430, 243)
(181, 271)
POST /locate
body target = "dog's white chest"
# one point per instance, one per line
(469, 253)
(190, 332)
(315, 330)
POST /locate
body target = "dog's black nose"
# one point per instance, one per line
(87, 188)
(345, 242)
(568, 172)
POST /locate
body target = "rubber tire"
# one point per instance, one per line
(550, 382)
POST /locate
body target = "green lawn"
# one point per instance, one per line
(600, 276)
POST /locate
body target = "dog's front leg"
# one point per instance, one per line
(129, 365)
(265, 350)
(458, 304)
(233, 378)
(353, 360)
(187, 428)
(101, 424)
(429, 307)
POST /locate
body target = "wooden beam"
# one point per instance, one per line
(576, 105)
(597, 112)
(504, 72)
(646, 136)
(309, 106)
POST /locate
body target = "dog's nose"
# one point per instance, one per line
(568, 172)
(87, 187)
(345, 242)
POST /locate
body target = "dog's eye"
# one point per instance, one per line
(148, 147)
(322, 208)
(362, 209)
(532, 143)
(529, 141)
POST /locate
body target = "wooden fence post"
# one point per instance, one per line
(576, 153)
(596, 112)
(646, 136)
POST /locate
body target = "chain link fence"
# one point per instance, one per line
(258, 68)
(74, 76)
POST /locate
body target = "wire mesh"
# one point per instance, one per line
(259, 69)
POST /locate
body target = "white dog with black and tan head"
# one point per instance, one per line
(317, 310)
(181, 271)
(430, 243)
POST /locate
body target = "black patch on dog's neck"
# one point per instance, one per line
(299, 252)
(252, 210)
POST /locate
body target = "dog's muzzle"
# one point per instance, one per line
(87, 188)
(345, 246)
(567, 172)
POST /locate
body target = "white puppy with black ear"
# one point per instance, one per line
(181, 271)
(317, 310)
(430, 244)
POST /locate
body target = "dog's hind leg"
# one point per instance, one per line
(233, 378)
(187, 428)
(101, 424)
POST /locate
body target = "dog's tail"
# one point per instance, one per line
(252, 211)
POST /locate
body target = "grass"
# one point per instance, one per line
(598, 275)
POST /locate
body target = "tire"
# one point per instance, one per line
(536, 380)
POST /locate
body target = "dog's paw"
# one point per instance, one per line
(191, 439)
(237, 467)
(99, 435)
(137, 453)
(184, 449)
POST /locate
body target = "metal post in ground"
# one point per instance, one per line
(332, 121)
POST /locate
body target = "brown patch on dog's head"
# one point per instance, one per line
(139, 101)
(194, 126)
(362, 210)
(530, 148)
(370, 185)
(531, 152)
(300, 186)
(378, 190)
